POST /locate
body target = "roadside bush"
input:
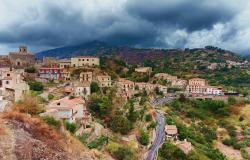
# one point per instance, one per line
(52, 121)
(152, 125)
(144, 137)
(148, 117)
(70, 126)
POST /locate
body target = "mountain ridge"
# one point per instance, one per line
(131, 55)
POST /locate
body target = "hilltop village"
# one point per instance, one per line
(116, 114)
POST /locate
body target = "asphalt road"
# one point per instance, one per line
(160, 129)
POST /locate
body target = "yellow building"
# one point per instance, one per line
(81, 61)
(104, 81)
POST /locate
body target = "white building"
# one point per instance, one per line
(67, 109)
(214, 90)
(82, 90)
(13, 84)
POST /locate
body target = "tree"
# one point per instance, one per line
(132, 114)
(144, 137)
(171, 152)
(182, 98)
(94, 87)
(100, 105)
(30, 70)
(148, 117)
(120, 124)
(36, 86)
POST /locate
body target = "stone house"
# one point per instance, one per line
(22, 58)
(196, 86)
(104, 81)
(86, 76)
(82, 61)
(125, 85)
(171, 131)
(82, 90)
(143, 70)
(12, 85)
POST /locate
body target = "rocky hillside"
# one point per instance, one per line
(22, 137)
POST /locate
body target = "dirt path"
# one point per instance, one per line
(229, 152)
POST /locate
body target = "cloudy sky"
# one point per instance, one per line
(45, 24)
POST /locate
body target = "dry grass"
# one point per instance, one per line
(35, 126)
(242, 111)
(2, 132)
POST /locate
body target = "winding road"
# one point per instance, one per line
(160, 129)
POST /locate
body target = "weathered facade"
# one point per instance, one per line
(82, 61)
(22, 58)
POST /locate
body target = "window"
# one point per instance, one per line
(58, 104)
(87, 59)
(8, 75)
(7, 82)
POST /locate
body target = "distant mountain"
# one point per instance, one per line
(89, 48)
(138, 55)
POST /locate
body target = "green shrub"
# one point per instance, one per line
(171, 152)
(120, 124)
(231, 100)
(36, 86)
(70, 126)
(52, 121)
(98, 142)
(152, 125)
(148, 117)
(144, 137)
(83, 138)
(245, 154)
(123, 153)
(94, 87)
(51, 96)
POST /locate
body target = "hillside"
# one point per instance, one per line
(138, 55)
(89, 48)
(22, 137)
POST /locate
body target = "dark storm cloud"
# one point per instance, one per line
(143, 23)
(191, 15)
